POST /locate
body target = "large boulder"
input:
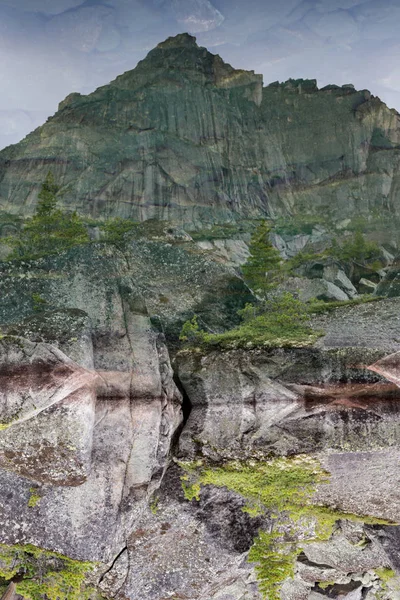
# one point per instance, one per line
(248, 403)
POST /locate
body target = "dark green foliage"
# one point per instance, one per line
(357, 249)
(50, 230)
(217, 232)
(280, 321)
(191, 332)
(317, 307)
(298, 224)
(47, 196)
(39, 302)
(262, 270)
(115, 229)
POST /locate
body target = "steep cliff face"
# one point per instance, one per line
(185, 136)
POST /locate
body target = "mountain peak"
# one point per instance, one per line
(182, 40)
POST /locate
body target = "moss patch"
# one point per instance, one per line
(281, 490)
(282, 321)
(34, 498)
(44, 575)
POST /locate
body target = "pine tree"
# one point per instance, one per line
(263, 267)
(51, 229)
(47, 196)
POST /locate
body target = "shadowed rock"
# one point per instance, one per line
(10, 593)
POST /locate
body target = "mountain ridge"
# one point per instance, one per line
(186, 137)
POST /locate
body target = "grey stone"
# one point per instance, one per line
(344, 557)
(339, 278)
(294, 590)
(177, 549)
(251, 402)
(94, 437)
(310, 573)
(47, 413)
(374, 480)
(356, 594)
(365, 286)
(322, 290)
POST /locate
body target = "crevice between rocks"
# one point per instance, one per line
(124, 549)
(186, 406)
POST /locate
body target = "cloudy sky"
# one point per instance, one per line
(49, 48)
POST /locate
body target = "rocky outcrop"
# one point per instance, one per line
(176, 280)
(91, 413)
(249, 403)
(88, 445)
(186, 137)
(390, 286)
(88, 406)
(47, 413)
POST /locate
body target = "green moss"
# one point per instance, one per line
(191, 491)
(323, 585)
(282, 490)
(34, 498)
(154, 504)
(283, 484)
(279, 322)
(385, 574)
(44, 575)
(272, 566)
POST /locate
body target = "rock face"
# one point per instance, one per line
(186, 137)
(88, 409)
(47, 413)
(254, 402)
(91, 414)
(99, 436)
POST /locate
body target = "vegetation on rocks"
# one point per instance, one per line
(356, 249)
(263, 269)
(280, 321)
(50, 230)
(114, 230)
(43, 575)
(281, 490)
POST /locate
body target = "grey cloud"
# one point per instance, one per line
(49, 7)
(196, 15)
(81, 29)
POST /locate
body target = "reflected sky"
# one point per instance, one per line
(49, 48)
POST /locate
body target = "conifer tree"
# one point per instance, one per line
(51, 229)
(47, 196)
(263, 267)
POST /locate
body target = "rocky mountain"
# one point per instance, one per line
(136, 463)
(186, 137)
